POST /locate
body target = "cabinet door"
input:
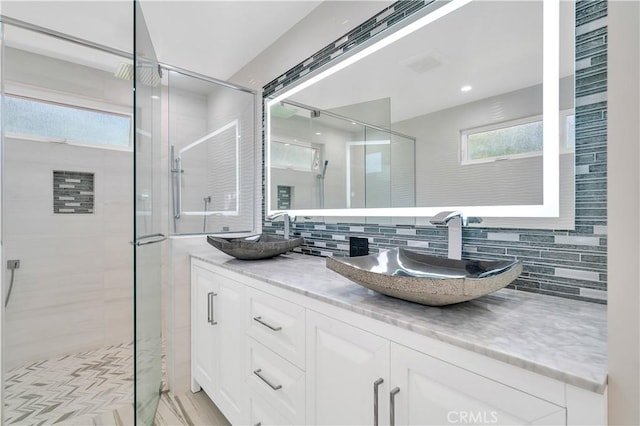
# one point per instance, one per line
(219, 358)
(343, 363)
(228, 311)
(202, 330)
(434, 392)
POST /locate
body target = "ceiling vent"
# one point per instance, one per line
(425, 62)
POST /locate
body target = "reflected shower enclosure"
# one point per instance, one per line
(321, 159)
(211, 138)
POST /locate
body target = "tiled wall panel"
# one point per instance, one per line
(570, 264)
(73, 192)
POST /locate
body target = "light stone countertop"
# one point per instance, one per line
(560, 338)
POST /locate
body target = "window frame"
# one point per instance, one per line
(43, 95)
(563, 149)
(301, 144)
(464, 134)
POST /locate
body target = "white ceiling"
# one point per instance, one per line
(494, 46)
(215, 38)
(218, 38)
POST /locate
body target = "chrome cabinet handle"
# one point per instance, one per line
(376, 385)
(393, 394)
(210, 311)
(269, 326)
(271, 385)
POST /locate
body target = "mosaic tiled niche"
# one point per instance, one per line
(571, 264)
(73, 192)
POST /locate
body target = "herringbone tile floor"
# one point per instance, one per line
(71, 389)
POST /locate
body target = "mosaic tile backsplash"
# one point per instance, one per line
(73, 192)
(571, 264)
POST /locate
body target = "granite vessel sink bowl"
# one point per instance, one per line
(426, 279)
(260, 246)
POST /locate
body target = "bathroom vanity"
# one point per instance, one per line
(288, 341)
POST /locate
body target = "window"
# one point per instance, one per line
(513, 139)
(41, 119)
(295, 157)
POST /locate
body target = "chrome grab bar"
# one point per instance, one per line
(176, 164)
(269, 326)
(149, 239)
(271, 385)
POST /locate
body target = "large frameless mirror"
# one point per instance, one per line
(465, 107)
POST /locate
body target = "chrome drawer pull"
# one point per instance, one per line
(392, 419)
(269, 326)
(257, 373)
(211, 320)
(376, 385)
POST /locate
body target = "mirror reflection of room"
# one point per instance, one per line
(443, 125)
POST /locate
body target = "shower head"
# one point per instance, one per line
(324, 168)
(149, 76)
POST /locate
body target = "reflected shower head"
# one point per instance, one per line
(324, 168)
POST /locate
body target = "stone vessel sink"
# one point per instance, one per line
(260, 246)
(426, 279)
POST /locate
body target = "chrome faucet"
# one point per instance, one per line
(287, 222)
(454, 221)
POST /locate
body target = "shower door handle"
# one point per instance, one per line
(150, 239)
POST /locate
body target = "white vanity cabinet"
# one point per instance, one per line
(428, 391)
(348, 370)
(218, 357)
(355, 376)
(276, 336)
(269, 355)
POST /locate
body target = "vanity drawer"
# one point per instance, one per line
(277, 324)
(278, 382)
(263, 413)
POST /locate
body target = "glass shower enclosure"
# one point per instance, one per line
(148, 232)
(81, 207)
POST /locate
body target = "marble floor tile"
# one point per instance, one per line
(187, 409)
(71, 389)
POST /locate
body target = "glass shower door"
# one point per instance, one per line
(147, 225)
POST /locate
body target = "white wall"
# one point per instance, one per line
(623, 212)
(74, 289)
(440, 178)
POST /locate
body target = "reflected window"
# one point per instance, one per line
(36, 118)
(295, 157)
(514, 139)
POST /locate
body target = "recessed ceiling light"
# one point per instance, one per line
(466, 88)
(155, 97)
(318, 134)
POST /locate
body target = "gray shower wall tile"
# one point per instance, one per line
(560, 263)
(73, 192)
